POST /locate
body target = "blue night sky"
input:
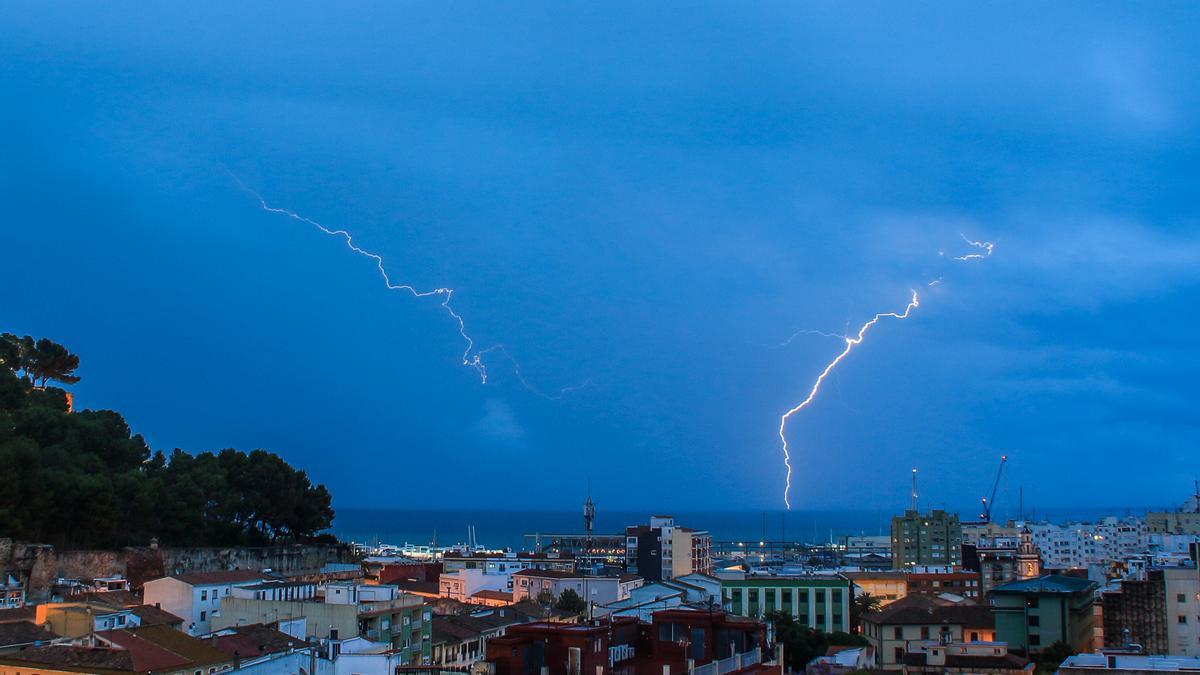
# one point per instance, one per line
(645, 198)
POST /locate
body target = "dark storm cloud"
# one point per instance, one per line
(644, 196)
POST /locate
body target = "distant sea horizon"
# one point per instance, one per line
(506, 528)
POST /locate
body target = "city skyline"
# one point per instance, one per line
(687, 231)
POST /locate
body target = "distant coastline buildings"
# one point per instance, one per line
(937, 595)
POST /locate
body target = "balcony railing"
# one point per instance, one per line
(728, 665)
(618, 653)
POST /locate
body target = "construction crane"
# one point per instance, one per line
(986, 516)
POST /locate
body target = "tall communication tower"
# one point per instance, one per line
(589, 519)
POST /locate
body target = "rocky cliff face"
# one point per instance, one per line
(38, 565)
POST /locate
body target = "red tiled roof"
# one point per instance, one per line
(488, 594)
(154, 616)
(255, 640)
(220, 577)
(145, 655)
(922, 610)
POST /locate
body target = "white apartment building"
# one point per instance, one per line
(462, 584)
(196, 596)
(504, 565)
(528, 584)
(1081, 545)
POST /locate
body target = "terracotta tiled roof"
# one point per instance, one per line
(195, 649)
(145, 655)
(154, 616)
(923, 610)
(254, 640)
(488, 594)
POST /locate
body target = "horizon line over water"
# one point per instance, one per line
(506, 528)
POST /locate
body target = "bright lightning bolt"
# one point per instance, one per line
(986, 246)
(851, 342)
(793, 336)
(516, 367)
(470, 359)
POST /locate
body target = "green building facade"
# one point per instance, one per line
(411, 632)
(1035, 613)
(821, 602)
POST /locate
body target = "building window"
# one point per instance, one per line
(1035, 640)
(203, 616)
(1180, 597)
(1182, 619)
(1034, 620)
(899, 654)
(924, 632)
(898, 632)
(204, 595)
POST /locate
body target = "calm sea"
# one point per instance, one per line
(495, 528)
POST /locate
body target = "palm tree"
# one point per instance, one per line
(863, 604)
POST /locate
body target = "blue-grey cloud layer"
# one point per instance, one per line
(644, 196)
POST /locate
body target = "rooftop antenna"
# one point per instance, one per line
(589, 510)
(914, 489)
(589, 517)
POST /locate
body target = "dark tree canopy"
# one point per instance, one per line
(801, 644)
(85, 480)
(38, 361)
(862, 604)
(570, 601)
(1050, 658)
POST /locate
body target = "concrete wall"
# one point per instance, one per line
(1183, 600)
(38, 565)
(175, 597)
(319, 617)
